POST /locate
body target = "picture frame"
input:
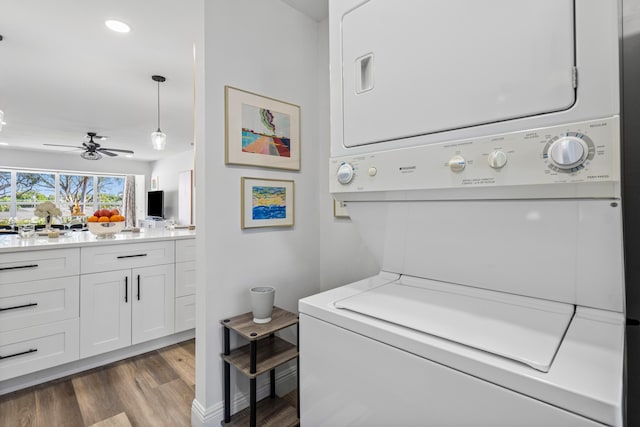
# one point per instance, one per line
(261, 131)
(266, 203)
(340, 209)
(155, 184)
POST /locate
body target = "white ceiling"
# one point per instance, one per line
(316, 9)
(63, 73)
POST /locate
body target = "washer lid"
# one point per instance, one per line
(524, 329)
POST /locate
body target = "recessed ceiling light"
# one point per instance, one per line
(128, 155)
(4, 143)
(117, 26)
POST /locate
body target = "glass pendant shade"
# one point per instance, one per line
(158, 140)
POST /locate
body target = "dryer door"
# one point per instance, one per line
(419, 67)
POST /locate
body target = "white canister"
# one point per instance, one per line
(262, 298)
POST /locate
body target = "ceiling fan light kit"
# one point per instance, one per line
(91, 155)
(158, 138)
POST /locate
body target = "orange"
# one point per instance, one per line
(103, 219)
(92, 219)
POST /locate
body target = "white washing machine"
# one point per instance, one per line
(477, 147)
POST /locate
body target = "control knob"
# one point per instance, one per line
(457, 163)
(497, 159)
(345, 173)
(568, 152)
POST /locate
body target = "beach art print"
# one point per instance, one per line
(266, 203)
(261, 131)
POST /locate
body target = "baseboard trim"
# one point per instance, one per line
(56, 372)
(286, 380)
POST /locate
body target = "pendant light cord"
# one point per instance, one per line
(158, 106)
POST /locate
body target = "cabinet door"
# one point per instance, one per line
(153, 302)
(105, 311)
(185, 278)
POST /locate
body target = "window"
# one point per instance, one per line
(5, 195)
(110, 191)
(31, 189)
(21, 191)
(76, 189)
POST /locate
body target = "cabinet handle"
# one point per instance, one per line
(131, 256)
(15, 307)
(138, 287)
(126, 289)
(18, 267)
(31, 350)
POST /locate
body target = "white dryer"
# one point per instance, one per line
(477, 147)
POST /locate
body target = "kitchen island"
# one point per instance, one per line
(78, 301)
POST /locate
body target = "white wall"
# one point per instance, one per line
(167, 171)
(51, 160)
(271, 50)
(276, 51)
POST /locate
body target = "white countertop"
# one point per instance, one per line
(74, 239)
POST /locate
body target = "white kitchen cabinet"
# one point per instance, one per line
(125, 307)
(38, 310)
(185, 303)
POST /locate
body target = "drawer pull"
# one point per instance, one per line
(131, 256)
(31, 350)
(15, 307)
(18, 267)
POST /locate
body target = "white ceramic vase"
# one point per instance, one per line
(262, 298)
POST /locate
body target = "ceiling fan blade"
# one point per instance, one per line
(58, 145)
(119, 151)
(108, 153)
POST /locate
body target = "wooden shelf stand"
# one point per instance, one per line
(264, 353)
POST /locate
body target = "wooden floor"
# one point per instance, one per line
(153, 389)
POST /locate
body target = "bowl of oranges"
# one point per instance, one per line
(105, 223)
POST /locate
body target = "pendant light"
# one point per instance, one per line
(158, 138)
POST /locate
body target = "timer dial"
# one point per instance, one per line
(345, 173)
(568, 153)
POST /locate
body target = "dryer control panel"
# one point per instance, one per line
(574, 160)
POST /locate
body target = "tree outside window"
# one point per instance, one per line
(76, 189)
(5, 194)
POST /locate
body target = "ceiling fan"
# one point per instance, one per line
(93, 150)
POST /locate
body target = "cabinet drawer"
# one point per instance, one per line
(185, 313)
(36, 265)
(117, 257)
(185, 250)
(32, 349)
(185, 278)
(38, 302)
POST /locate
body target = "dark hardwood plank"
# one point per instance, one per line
(173, 401)
(134, 386)
(56, 405)
(18, 409)
(153, 389)
(180, 358)
(120, 420)
(97, 395)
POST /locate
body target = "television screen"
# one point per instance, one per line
(155, 204)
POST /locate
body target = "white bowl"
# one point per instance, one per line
(105, 229)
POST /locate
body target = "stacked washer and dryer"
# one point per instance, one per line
(477, 145)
